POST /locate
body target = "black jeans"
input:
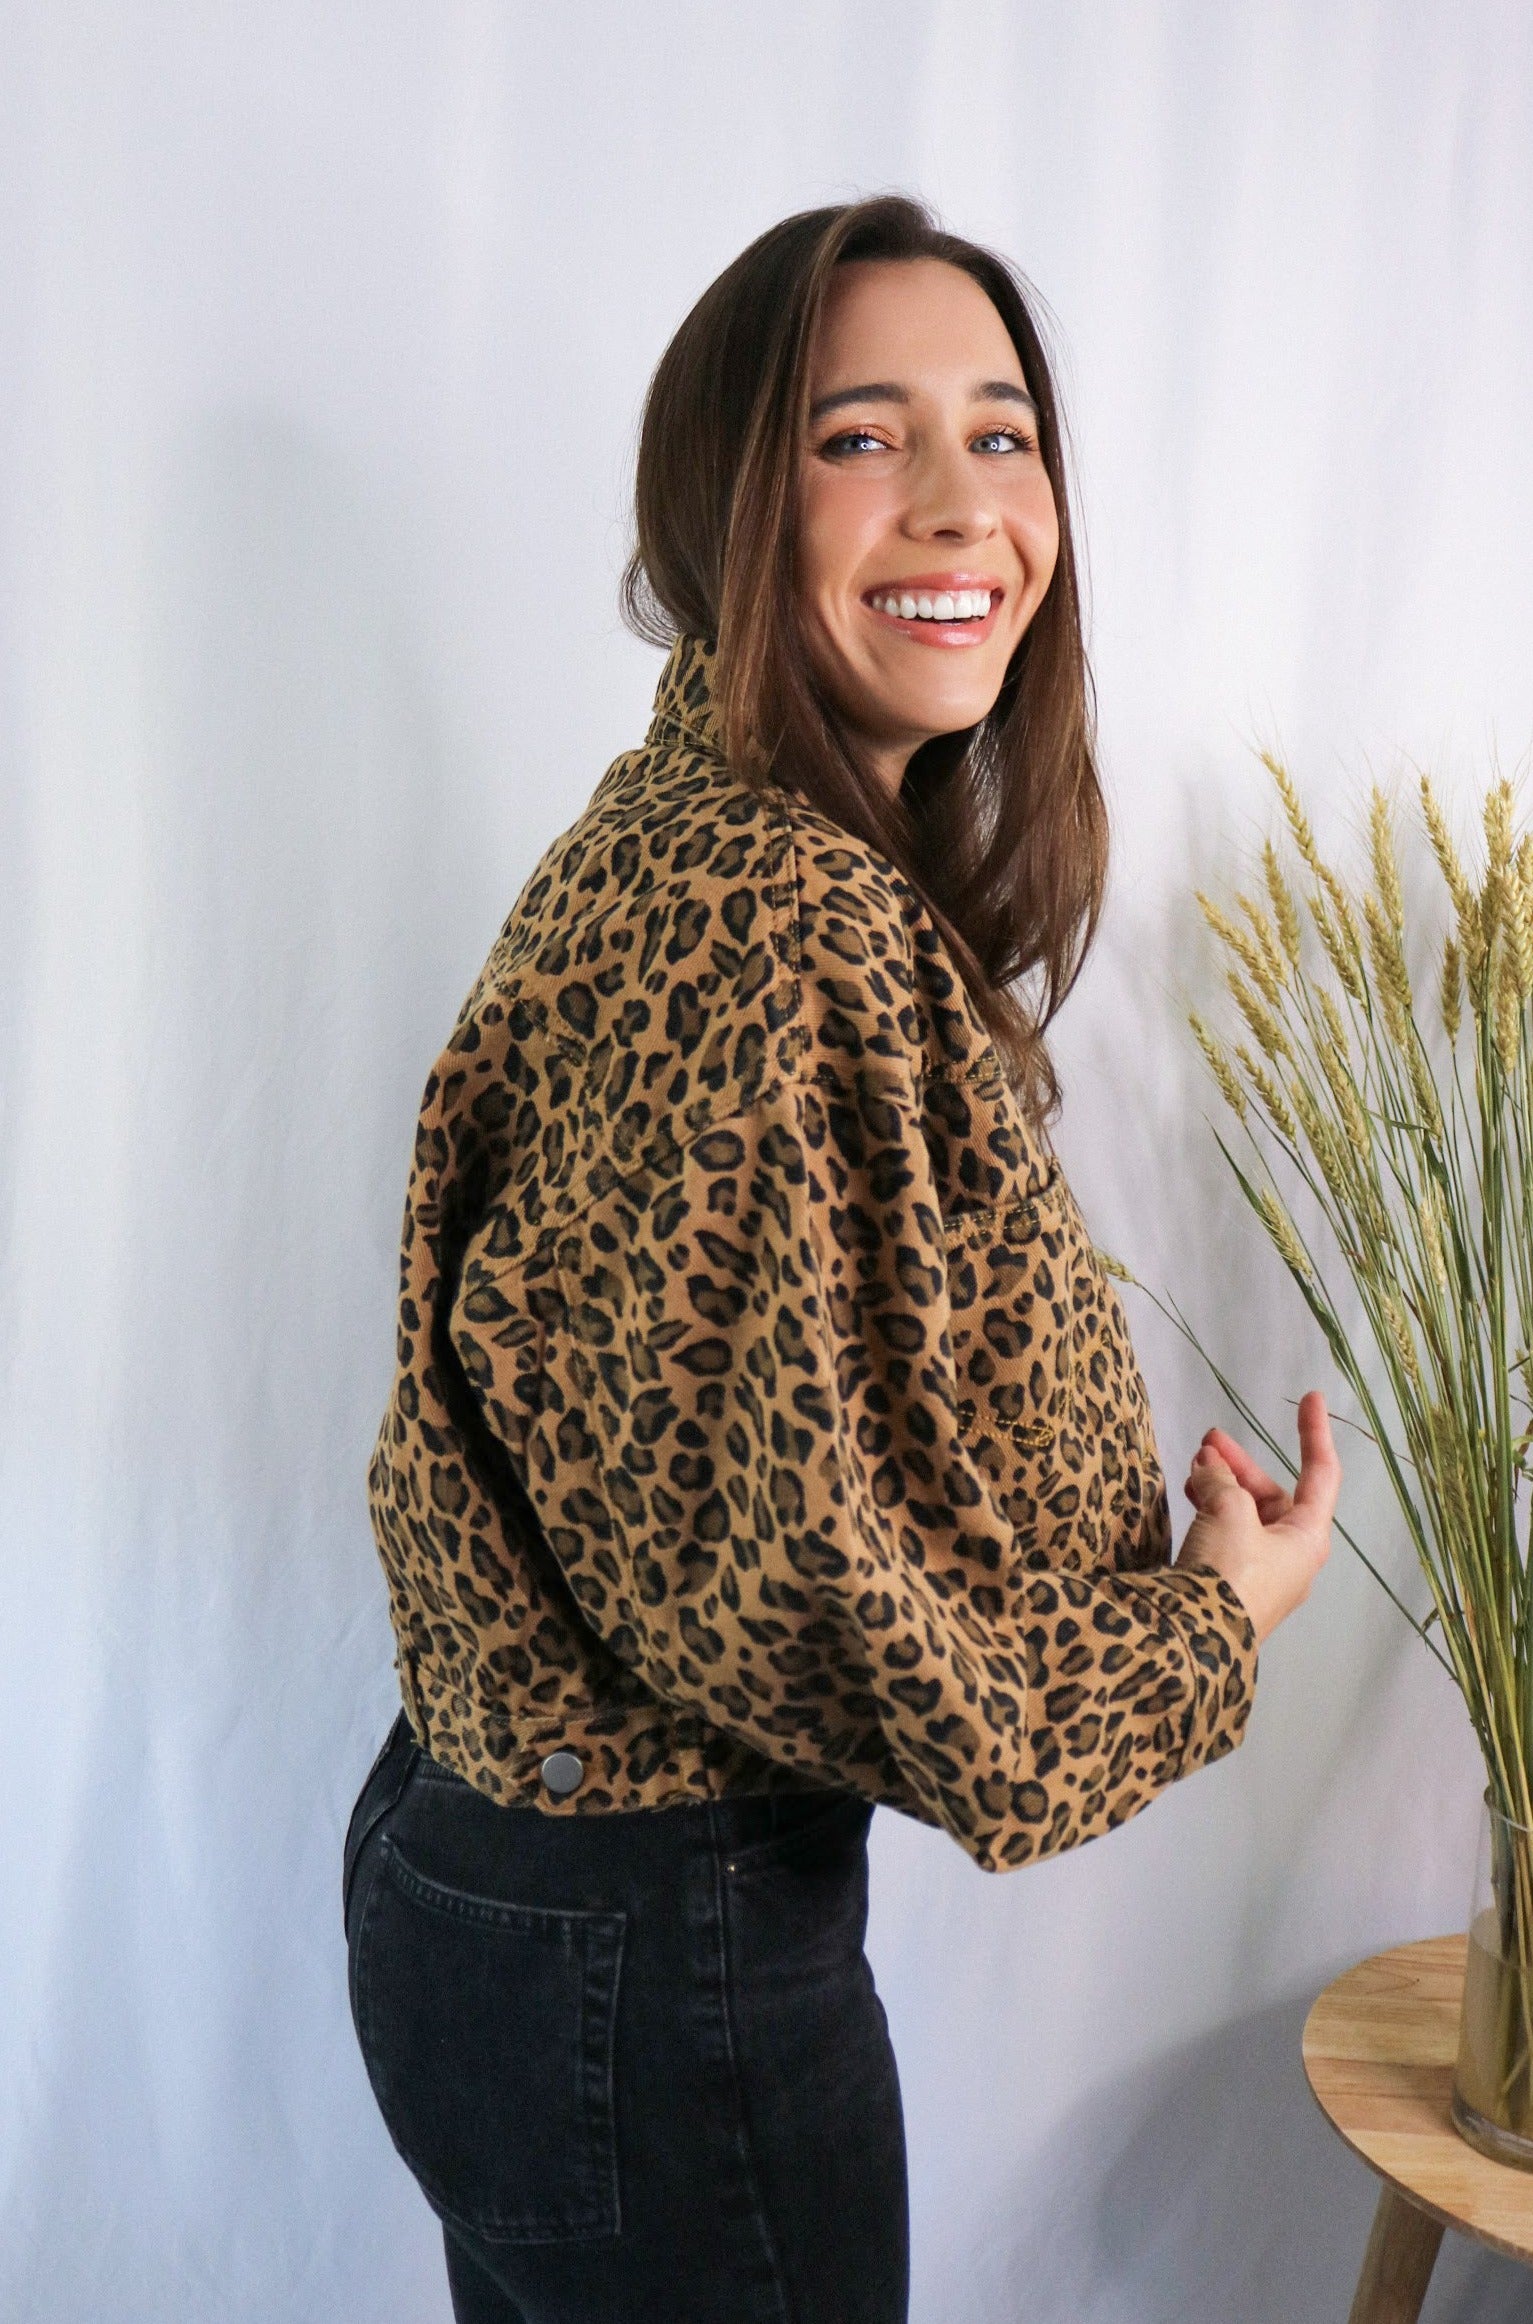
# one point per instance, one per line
(635, 2061)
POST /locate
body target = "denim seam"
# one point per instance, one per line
(490, 1911)
(410, 1751)
(601, 2070)
(742, 2137)
(432, 1771)
(785, 1849)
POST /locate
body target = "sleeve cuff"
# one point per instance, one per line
(1211, 1620)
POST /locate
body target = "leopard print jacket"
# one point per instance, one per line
(763, 1416)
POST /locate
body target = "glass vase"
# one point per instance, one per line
(1493, 2080)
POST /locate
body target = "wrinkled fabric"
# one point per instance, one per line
(763, 1414)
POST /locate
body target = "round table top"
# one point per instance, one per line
(1379, 2050)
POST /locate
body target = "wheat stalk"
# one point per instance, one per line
(1413, 1141)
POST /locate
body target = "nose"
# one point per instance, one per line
(950, 496)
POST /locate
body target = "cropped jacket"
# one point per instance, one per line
(763, 1416)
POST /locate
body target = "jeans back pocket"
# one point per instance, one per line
(487, 2031)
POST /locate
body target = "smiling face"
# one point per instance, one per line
(926, 527)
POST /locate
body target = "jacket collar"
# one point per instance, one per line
(685, 704)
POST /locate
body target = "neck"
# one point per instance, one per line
(887, 763)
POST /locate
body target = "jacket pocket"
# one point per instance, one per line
(1007, 1271)
(487, 2031)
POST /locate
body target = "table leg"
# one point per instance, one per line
(1397, 2266)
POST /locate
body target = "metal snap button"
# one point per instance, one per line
(563, 1773)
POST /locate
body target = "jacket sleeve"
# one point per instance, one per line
(750, 1461)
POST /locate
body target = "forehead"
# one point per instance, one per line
(916, 320)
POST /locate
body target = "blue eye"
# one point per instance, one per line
(1015, 439)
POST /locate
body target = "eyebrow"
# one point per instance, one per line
(888, 391)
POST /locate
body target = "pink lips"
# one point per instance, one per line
(938, 633)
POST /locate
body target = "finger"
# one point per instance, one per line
(1211, 1480)
(1319, 1484)
(1267, 1493)
(1205, 1466)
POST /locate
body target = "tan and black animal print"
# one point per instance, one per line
(763, 1415)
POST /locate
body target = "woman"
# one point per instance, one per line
(766, 1441)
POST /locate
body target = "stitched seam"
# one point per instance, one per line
(507, 982)
(609, 2108)
(577, 2224)
(552, 1922)
(786, 860)
(595, 1725)
(620, 1181)
(1134, 1587)
(983, 1067)
(787, 869)
(920, 1072)
(1210, 1684)
(759, 1858)
(391, 1801)
(960, 1226)
(915, 1773)
(665, 723)
(788, 866)
(726, 2019)
(799, 1072)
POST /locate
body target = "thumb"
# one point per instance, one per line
(1209, 1475)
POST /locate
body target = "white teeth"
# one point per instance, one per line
(948, 605)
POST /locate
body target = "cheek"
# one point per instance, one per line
(1036, 531)
(835, 521)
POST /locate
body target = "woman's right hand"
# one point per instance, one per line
(1267, 1543)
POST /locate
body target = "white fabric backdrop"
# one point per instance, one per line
(324, 333)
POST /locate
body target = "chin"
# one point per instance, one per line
(946, 711)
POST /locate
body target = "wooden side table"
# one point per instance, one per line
(1379, 2049)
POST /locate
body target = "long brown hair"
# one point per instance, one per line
(1002, 829)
